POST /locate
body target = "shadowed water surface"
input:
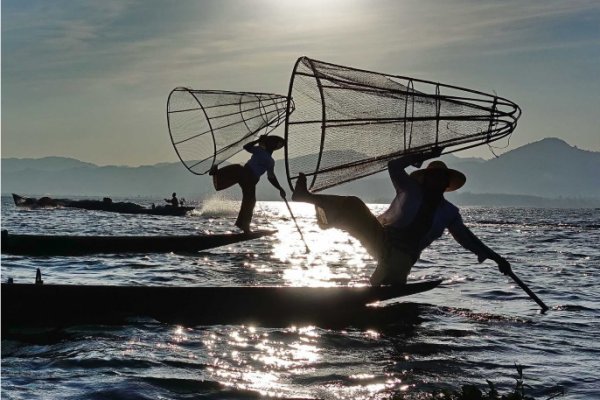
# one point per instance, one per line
(475, 327)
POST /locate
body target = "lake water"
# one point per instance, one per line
(476, 326)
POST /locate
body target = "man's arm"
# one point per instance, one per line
(248, 146)
(396, 167)
(469, 241)
(273, 179)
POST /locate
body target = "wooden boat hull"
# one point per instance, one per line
(22, 201)
(59, 305)
(63, 245)
(98, 205)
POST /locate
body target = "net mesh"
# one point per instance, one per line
(209, 126)
(348, 123)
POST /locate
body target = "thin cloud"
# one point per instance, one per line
(120, 59)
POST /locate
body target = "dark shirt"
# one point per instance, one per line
(405, 207)
(174, 202)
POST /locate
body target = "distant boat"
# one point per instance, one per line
(100, 205)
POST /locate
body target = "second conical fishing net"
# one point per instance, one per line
(209, 126)
(348, 123)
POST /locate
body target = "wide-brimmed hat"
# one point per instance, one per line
(455, 178)
(273, 142)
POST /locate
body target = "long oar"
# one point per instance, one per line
(296, 222)
(528, 291)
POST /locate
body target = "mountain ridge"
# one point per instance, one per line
(549, 168)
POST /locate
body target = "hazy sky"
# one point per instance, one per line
(90, 79)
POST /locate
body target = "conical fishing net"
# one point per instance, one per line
(209, 126)
(348, 123)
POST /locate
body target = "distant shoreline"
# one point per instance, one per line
(461, 199)
(528, 176)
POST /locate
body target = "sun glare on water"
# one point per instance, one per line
(321, 266)
(273, 362)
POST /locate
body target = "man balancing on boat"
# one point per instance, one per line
(416, 217)
(248, 175)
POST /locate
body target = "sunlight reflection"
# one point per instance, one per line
(334, 256)
(315, 276)
(365, 391)
(371, 334)
(310, 330)
(362, 376)
(266, 363)
(179, 335)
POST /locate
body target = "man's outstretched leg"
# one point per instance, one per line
(348, 213)
(226, 177)
(352, 215)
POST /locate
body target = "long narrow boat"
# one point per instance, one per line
(100, 205)
(61, 305)
(64, 245)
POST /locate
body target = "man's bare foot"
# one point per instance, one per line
(301, 192)
(246, 229)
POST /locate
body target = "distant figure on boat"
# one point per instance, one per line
(417, 216)
(173, 200)
(248, 175)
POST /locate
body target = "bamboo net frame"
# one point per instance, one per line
(207, 127)
(348, 122)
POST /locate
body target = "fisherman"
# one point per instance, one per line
(416, 217)
(248, 175)
(173, 200)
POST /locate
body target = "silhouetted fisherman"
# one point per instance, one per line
(417, 216)
(248, 175)
(173, 200)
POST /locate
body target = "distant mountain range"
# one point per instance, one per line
(546, 173)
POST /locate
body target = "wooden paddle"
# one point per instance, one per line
(528, 291)
(295, 222)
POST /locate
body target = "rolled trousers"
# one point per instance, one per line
(238, 174)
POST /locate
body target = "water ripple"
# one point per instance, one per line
(474, 327)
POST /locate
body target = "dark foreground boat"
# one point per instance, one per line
(25, 305)
(62, 245)
(100, 205)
